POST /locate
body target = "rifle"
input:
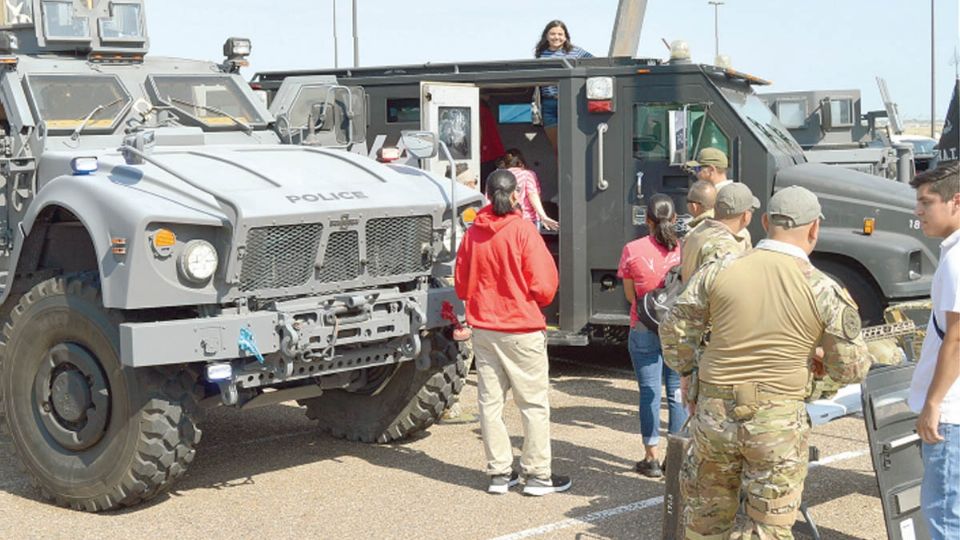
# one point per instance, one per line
(889, 331)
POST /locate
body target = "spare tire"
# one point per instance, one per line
(412, 400)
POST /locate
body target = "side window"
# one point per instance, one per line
(674, 132)
(706, 134)
(650, 132)
(403, 111)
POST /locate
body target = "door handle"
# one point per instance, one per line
(602, 183)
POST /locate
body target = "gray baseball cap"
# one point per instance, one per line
(793, 206)
(733, 200)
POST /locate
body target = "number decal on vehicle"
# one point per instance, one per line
(915, 224)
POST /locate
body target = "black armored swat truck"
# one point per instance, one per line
(626, 128)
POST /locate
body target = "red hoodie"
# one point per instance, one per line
(505, 274)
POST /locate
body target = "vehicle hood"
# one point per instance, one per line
(835, 182)
(848, 197)
(269, 181)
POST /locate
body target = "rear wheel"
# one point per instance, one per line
(410, 402)
(864, 292)
(91, 433)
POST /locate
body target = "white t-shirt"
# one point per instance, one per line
(945, 293)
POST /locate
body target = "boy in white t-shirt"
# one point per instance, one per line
(935, 389)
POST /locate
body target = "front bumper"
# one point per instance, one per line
(306, 330)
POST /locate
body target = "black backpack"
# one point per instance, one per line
(652, 307)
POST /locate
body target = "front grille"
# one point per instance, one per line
(399, 245)
(341, 259)
(280, 257)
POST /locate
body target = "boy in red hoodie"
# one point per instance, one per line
(505, 275)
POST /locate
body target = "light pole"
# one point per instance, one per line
(933, 74)
(336, 47)
(356, 38)
(716, 27)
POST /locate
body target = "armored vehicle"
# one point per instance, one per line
(162, 252)
(832, 129)
(627, 126)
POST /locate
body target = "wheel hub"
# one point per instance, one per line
(72, 397)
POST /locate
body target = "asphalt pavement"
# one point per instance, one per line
(268, 473)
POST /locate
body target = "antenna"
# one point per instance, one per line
(893, 114)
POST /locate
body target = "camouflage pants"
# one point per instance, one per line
(764, 454)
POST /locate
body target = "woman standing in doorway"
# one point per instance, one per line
(643, 266)
(528, 191)
(554, 43)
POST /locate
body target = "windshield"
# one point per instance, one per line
(213, 100)
(924, 147)
(65, 101)
(763, 123)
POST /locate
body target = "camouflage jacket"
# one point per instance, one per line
(846, 357)
(709, 241)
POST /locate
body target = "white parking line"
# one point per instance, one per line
(601, 515)
(589, 518)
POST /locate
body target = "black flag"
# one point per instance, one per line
(950, 139)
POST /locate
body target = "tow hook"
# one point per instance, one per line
(288, 344)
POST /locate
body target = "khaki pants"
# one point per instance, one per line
(515, 362)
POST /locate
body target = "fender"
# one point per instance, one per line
(885, 255)
(106, 208)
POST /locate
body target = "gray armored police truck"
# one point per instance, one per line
(162, 252)
(626, 128)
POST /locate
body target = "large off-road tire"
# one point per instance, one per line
(91, 433)
(868, 298)
(411, 402)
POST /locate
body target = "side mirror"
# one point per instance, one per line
(420, 144)
(135, 146)
(826, 115)
(318, 116)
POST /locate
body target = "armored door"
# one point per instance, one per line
(670, 125)
(895, 449)
(452, 111)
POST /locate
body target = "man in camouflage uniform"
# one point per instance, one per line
(725, 234)
(768, 310)
(701, 198)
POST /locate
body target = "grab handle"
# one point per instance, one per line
(602, 183)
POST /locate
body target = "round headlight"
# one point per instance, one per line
(198, 261)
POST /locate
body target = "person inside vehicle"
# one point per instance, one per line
(554, 43)
(528, 191)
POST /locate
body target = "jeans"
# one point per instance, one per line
(549, 109)
(940, 491)
(652, 373)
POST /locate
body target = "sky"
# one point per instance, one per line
(798, 45)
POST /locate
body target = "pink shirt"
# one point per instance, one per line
(528, 185)
(646, 262)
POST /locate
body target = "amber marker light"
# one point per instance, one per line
(118, 246)
(869, 225)
(468, 216)
(163, 241)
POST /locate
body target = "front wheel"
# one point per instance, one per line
(411, 402)
(91, 433)
(864, 293)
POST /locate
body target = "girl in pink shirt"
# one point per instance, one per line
(643, 267)
(528, 191)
